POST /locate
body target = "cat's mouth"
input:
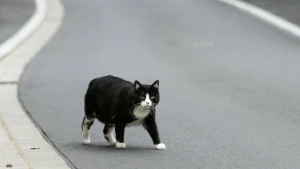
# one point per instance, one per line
(143, 106)
(146, 106)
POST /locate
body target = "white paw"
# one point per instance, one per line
(112, 143)
(160, 146)
(120, 145)
(111, 140)
(86, 141)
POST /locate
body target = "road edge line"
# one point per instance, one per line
(31, 25)
(266, 16)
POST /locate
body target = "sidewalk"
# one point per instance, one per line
(12, 141)
(13, 14)
(22, 144)
(287, 9)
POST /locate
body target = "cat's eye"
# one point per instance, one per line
(142, 98)
(152, 97)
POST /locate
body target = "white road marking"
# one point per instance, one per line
(266, 16)
(26, 30)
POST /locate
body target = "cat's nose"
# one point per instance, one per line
(147, 102)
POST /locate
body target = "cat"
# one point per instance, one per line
(118, 103)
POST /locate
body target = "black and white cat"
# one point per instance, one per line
(119, 103)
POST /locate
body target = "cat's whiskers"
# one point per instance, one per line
(157, 110)
(153, 108)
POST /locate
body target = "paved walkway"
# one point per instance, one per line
(22, 144)
(13, 15)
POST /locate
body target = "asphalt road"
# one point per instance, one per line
(13, 14)
(229, 84)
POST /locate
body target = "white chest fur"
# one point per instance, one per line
(136, 122)
(140, 113)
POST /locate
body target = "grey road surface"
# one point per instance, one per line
(13, 14)
(229, 84)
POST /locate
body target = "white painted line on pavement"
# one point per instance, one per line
(266, 16)
(26, 30)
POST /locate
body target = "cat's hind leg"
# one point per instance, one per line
(90, 115)
(108, 134)
(86, 125)
(88, 119)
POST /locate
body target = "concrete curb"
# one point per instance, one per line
(26, 30)
(266, 16)
(21, 143)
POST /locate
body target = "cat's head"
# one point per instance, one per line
(146, 95)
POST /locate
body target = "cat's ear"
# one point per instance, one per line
(156, 84)
(137, 85)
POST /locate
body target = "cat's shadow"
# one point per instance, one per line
(96, 147)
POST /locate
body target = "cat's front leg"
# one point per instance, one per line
(151, 126)
(120, 129)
